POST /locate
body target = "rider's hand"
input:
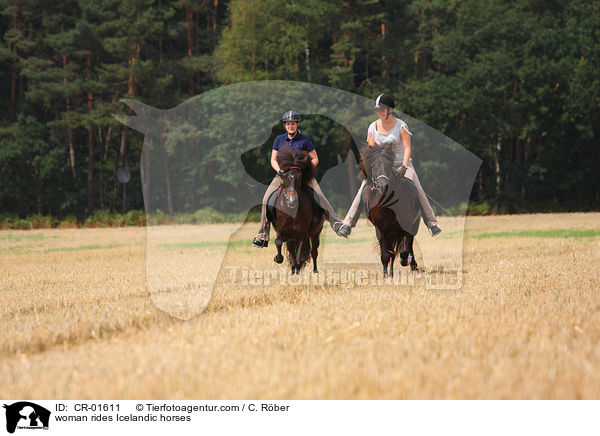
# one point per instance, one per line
(401, 171)
(280, 173)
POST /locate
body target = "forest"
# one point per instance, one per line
(515, 82)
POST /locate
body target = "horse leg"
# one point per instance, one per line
(385, 255)
(392, 244)
(404, 250)
(413, 262)
(298, 257)
(291, 246)
(279, 257)
(314, 251)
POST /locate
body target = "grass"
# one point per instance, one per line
(550, 233)
(83, 247)
(525, 323)
(12, 237)
(244, 243)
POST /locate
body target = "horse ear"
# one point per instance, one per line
(147, 116)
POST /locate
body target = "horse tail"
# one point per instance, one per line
(304, 256)
(306, 252)
(397, 243)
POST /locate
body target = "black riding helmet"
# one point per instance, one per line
(384, 101)
(290, 116)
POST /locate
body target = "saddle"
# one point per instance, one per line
(272, 200)
(404, 202)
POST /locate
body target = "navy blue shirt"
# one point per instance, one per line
(297, 143)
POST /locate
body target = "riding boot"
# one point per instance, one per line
(263, 233)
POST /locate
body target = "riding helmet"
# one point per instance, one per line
(384, 101)
(291, 116)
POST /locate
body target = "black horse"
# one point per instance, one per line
(392, 206)
(298, 219)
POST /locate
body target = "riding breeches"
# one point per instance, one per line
(277, 181)
(428, 216)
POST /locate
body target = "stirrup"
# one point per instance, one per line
(435, 230)
(341, 229)
(259, 241)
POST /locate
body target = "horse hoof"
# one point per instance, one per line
(315, 271)
(404, 258)
(278, 259)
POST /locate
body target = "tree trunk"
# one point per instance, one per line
(90, 99)
(214, 16)
(102, 162)
(497, 164)
(90, 179)
(189, 18)
(122, 152)
(307, 60)
(384, 64)
(71, 149)
(167, 179)
(131, 85)
(69, 128)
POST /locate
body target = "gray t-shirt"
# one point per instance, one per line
(390, 139)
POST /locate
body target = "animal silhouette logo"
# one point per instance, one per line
(191, 160)
(26, 415)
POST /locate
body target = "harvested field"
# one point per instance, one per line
(78, 320)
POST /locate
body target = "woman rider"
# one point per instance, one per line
(392, 131)
(296, 141)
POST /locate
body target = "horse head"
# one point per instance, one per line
(378, 166)
(298, 170)
(292, 179)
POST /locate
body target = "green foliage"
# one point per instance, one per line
(515, 82)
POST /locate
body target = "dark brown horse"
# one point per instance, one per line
(297, 221)
(392, 206)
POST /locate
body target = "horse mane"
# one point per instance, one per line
(288, 158)
(370, 154)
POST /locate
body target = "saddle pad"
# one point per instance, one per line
(272, 200)
(404, 203)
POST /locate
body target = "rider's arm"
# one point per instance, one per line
(313, 157)
(406, 143)
(372, 128)
(274, 162)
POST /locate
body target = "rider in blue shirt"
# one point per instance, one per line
(297, 141)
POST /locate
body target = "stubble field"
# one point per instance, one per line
(77, 319)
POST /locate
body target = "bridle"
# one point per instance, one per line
(292, 193)
(375, 179)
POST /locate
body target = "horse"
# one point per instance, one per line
(392, 206)
(298, 220)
